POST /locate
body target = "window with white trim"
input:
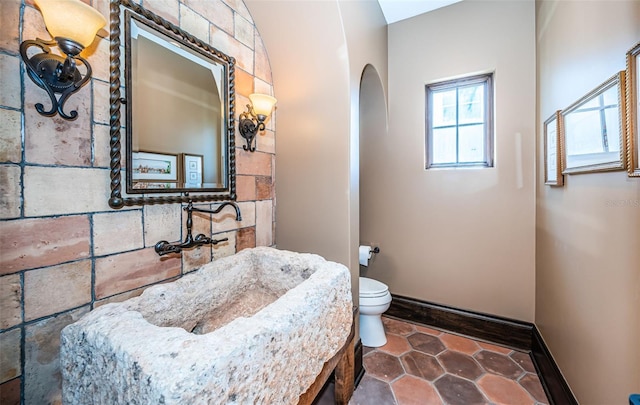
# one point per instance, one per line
(459, 122)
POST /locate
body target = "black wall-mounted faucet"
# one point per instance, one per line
(163, 247)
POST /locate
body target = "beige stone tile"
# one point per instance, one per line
(246, 188)
(245, 238)
(232, 47)
(9, 29)
(10, 137)
(270, 123)
(266, 142)
(256, 163)
(56, 289)
(116, 232)
(43, 242)
(264, 188)
(33, 24)
(239, 7)
(120, 297)
(273, 172)
(226, 220)
(101, 146)
(101, 103)
(215, 11)
(194, 258)
(241, 106)
(243, 30)
(42, 376)
(10, 73)
(10, 191)
(194, 23)
(10, 298)
(103, 7)
(226, 248)
(10, 355)
(10, 391)
(264, 218)
(98, 54)
(55, 140)
(262, 64)
(162, 222)
(244, 83)
(201, 220)
(56, 190)
(167, 9)
(128, 271)
(262, 87)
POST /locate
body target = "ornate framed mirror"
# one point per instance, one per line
(179, 107)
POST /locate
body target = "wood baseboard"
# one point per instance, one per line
(523, 336)
(504, 331)
(551, 378)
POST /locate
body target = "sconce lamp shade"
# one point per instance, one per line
(262, 104)
(71, 19)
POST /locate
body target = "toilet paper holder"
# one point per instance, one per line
(374, 249)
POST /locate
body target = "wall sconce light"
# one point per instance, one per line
(252, 120)
(73, 24)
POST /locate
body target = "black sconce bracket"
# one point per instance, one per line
(249, 125)
(56, 74)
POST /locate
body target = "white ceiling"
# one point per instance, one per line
(396, 10)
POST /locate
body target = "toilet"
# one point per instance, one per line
(374, 300)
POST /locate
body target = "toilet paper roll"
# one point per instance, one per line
(364, 253)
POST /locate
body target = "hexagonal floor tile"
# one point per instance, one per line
(459, 343)
(372, 391)
(495, 348)
(395, 345)
(397, 327)
(497, 363)
(426, 343)
(524, 360)
(460, 364)
(410, 390)
(383, 366)
(502, 390)
(531, 383)
(422, 365)
(458, 391)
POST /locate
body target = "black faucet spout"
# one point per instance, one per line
(229, 203)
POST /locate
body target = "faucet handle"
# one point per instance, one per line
(163, 247)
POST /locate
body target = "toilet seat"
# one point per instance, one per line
(370, 288)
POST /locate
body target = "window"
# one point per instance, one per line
(459, 122)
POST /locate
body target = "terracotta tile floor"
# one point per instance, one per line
(424, 366)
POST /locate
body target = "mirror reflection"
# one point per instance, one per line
(593, 129)
(177, 124)
(180, 104)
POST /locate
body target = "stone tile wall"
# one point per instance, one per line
(63, 250)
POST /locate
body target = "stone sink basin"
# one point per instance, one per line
(252, 328)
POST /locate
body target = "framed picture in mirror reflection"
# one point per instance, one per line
(154, 167)
(192, 170)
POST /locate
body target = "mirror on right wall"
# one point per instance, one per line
(633, 108)
(594, 129)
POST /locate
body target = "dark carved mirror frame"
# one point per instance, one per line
(116, 199)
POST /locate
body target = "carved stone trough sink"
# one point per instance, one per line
(252, 328)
